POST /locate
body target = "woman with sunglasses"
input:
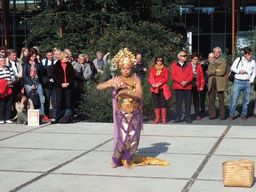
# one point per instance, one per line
(63, 76)
(158, 78)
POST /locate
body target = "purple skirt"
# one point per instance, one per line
(128, 130)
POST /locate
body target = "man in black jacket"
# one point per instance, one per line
(140, 68)
(48, 87)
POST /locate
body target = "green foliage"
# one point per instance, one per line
(86, 22)
(97, 105)
(108, 26)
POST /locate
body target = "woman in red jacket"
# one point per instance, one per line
(158, 78)
(197, 83)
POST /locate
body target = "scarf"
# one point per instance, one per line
(194, 82)
(33, 73)
(100, 63)
(159, 69)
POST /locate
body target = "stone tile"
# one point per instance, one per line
(80, 127)
(11, 180)
(237, 147)
(4, 134)
(183, 130)
(55, 141)
(33, 160)
(97, 163)
(171, 145)
(68, 183)
(242, 132)
(217, 186)
(15, 127)
(213, 169)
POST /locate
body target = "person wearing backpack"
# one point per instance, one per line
(33, 77)
(244, 70)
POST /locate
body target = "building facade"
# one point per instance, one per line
(209, 21)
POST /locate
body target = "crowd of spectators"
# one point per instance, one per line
(58, 80)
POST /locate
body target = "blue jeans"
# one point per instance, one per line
(239, 86)
(39, 90)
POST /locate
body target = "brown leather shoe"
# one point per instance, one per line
(222, 118)
(211, 118)
(243, 118)
(231, 118)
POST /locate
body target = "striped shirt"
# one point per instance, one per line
(7, 74)
(248, 66)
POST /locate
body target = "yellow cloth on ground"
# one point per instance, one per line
(139, 160)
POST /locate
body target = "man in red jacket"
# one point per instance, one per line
(182, 76)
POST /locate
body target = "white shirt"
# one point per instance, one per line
(49, 62)
(14, 68)
(248, 66)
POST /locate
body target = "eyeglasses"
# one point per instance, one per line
(2, 51)
(67, 57)
(183, 55)
(159, 60)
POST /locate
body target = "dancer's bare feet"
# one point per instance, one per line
(127, 167)
(113, 165)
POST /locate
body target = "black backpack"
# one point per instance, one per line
(34, 96)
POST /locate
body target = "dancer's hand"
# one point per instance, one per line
(115, 83)
(122, 92)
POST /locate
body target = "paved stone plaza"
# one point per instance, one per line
(76, 157)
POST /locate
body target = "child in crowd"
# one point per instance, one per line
(22, 105)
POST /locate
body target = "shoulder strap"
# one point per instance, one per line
(240, 58)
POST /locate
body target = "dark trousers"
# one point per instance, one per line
(159, 99)
(195, 97)
(202, 99)
(48, 94)
(16, 89)
(65, 95)
(212, 96)
(180, 96)
(78, 95)
(5, 107)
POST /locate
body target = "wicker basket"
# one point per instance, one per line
(238, 173)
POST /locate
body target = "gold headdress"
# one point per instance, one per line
(124, 56)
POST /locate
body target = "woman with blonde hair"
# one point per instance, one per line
(56, 53)
(63, 75)
(24, 54)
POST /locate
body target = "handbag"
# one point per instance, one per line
(238, 173)
(232, 74)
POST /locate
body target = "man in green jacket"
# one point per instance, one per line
(217, 83)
